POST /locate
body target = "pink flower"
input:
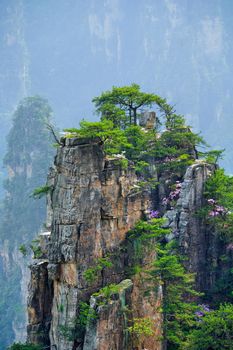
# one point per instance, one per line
(230, 246)
(154, 214)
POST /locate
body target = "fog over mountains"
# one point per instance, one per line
(70, 51)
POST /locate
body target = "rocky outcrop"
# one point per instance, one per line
(106, 331)
(198, 242)
(40, 299)
(94, 203)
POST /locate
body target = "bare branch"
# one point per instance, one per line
(51, 129)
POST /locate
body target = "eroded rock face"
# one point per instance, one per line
(39, 302)
(198, 242)
(94, 203)
(148, 120)
(107, 330)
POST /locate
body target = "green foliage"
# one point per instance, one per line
(77, 326)
(178, 304)
(113, 113)
(223, 288)
(61, 308)
(34, 247)
(214, 331)
(40, 192)
(143, 238)
(23, 249)
(113, 138)
(107, 291)
(141, 328)
(123, 162)
(145, 230)
(85, 314)
(219, 186)
(178, 293)
(128, 99)
(91, 274)
(218, 215)
(211, 157)
(27, 346)
(137, 142)
(141, 166)
(174, 149)
(172, 120)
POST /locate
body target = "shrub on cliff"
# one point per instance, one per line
(214, 331)
(179, 296)
(113, 138)
(120, 111)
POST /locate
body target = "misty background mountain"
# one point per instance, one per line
(70, 51)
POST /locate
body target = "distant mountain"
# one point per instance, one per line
(70, 51)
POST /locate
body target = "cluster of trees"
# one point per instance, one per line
(187, 324)
(175, 148)
(120, 110)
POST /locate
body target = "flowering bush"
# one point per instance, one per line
(214, 331)
(154, 214)
(173, 195)
(230, 246)
(203, 309)
(216, 209)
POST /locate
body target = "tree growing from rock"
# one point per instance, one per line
(123, 104)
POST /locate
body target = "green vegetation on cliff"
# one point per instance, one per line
(189, 322)
(121, 105)
(172, 150)
(175, 147)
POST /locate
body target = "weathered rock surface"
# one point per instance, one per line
(107, 331)
(93, 204)
(198, 241)
(148, 120)
(39, 301)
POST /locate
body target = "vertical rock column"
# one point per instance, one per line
(94, 204)
(197, 240)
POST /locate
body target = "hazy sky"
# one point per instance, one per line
(71, 50)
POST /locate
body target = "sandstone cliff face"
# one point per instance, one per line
(198, 241)
(94, 203)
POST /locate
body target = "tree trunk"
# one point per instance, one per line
(135, 116)
(130, 116)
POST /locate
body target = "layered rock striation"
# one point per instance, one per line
(198, 240)
(94, 203)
